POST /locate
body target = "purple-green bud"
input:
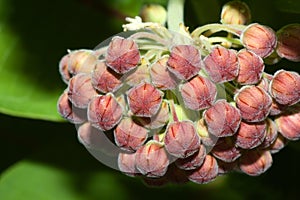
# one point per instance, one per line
(222, 119)
(198, 93)
(251, 135)
(184, 61)
(144, 100)
(81, 91)
(104, 112)
(254, 103)
(251, 67)
(122, 55)
(206, 173)
(260, 39)
(129, 135)
(285, 87)
(289, 42)
(151, 159)
(235, 12)
(181, 139)
(221, 64)
(255, 162)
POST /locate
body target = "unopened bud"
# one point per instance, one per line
(192, 162)
(226, 150)
(235, 12)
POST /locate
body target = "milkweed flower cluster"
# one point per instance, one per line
(178, 107)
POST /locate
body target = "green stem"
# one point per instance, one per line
(175, 14)
(234, 29)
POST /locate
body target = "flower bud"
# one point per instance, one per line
(137, 75)
(289, 42)
(271, 134)
(225, 150)
(222, 119)
(70, 112)
(154, 13)
(289, 124)
(126, 164)
(104, 112)
(129, 135)
(159, 120)
(255, 162)
(251, 67)
(161, 77)
(122, 55)
(221, 64)
(81, 61)
(226, 167)
(260, 39)
(184, 61)
(63, 68)
(192, 162)
(181, 139)
(198, 93)
(104, 79)
(235, 12)
(276, 108)
(254, 103)
(152, 159)
(144, 100)
(81, 90)
(206, 173)
(285, 87)
(207, 138)
(251, 135)
(278, 144)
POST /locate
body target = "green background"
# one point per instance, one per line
(41, 157)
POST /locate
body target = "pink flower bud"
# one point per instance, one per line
(278, 144)
(222, 119)
(285, 87)
(184, 61)
(70, 112)
(126, 164)
(251, 135)
(104, 79)
(181, 139)
(225, 150)
(144, 100)
(255, 162)
(260, 39)
(221, 64)
(198, 93)
(251, 67)
(161, 77)
(289, 42)
(122, 55)
(152, 159)
(192, 162)
(104, 112)
(206, 173)
(159, 120)
(289, 124)
(271, 134)
(129, 135)
(137, 76)
(81, 90)
(81, 61)
(63, 68)
(235, 12)
(254, 103)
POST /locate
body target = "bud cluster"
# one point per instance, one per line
(186, 107)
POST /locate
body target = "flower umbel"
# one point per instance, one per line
(178, 106)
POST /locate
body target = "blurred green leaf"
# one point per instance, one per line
(290, 6)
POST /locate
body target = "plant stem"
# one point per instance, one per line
(175, 14)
